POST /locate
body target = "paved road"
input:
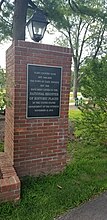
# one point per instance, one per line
(96, 209)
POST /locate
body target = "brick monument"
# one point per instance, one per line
(36, 127)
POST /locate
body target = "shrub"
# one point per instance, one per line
(93, 126)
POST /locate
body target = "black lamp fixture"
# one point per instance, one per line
(37, 25)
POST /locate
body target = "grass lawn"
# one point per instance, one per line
(44, 198)
(74, 114)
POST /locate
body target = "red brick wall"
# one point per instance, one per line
(9, 181)
(9, 114)
(36, 146)
(2, 119)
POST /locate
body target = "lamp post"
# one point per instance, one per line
(37, 25)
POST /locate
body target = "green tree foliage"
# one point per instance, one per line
(13, 19)
(58, 12)
(93, 125)
(6, 19)
(96, 9)
(83, 25)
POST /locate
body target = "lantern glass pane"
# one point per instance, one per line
(39, 28)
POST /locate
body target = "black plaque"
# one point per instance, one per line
(43, 91)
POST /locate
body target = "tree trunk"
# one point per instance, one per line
(75, 88)
(19, 20)
(75, 83)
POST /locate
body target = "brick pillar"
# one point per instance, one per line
(35, 145)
